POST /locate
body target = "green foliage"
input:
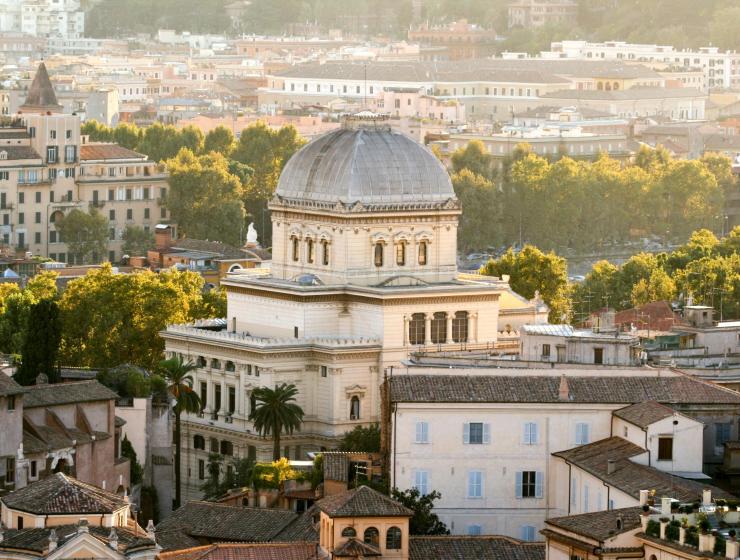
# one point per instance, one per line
(362, 439)
(317, 471)
(672, 531)
(86, 235)
(41, 343)
(204, 198)
(720, 545)
(692, 536)
(653, 528)
(137, 471)
(474, 158)
(478, 223)
(424, 521)
(211, 488)
(275, 412)
(149, 504)
(220, 140)
(137, 241)
(533, 271)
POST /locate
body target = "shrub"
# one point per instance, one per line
(720, 545)
(653, 528)
(672, 531)
(692, 537)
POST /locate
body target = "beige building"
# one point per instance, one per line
(46, 171)
(363, 273)
(538, 13)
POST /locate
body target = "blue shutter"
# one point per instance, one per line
(486, 433)
(538, 480)
(586, 435)
(534, 436)
(466, 432)
(519, 484)
(425, 432)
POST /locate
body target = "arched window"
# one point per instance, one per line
(349, 532)
(199, 442)
(215, 364)
(460, 326)
(227, 448)
(213, 443)
(354, 408)
(393, 539)
(230, 366)
(616, 86)
(417, 331)
(309, 250)
(325, 252)
(252, 452)
(378, 258)
(296, 248)
(422, 253)
(439, 327)
(600, 86)
(608, 86)
(372, 536)
(201, 361)
(401, 253)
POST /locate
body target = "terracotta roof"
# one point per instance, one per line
(37, 540)
(241, 551)
(13, 153)
(599, 525)
(66, 393)
(362, 502)
(645, 413)
(657, 315)
(631, 477)
(209, 520)
(352, 548)
(302, 529)
(61, 494)
(456, 547)
(679, 389)
(336, 466)
(8, 386)
(41, 93)
(101, 150)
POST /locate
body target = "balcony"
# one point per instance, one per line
(97, 204)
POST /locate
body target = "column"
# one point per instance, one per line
(449, 328)
(427, 328)
(474, 317)
(406, 330)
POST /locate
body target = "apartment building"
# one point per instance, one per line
(47, 169)
(43, 18)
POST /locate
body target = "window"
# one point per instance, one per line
(38, 197)
(582, 435)
(527, 533)
(20, 523)
(349, 532)
(201, 469)
(475, 484)
(460, 326)
(401, 253)
(213, 444)
(529, 484)
(215, 364)
(422, 432)
(37, 217)
(34, 469)
(112, 215)
(530, 433)
(417, 329)
(421, 482)
(111, 194)
(129, 214)
(722, 433)
(230, 366)
(422, 253)
(112, 234)
(146, 213)
(474, 530)
(232, 400)
(546, 351)
(70, 154)
(476, 433)
(227, 448)
(665, 449)
(199, 442)
(372, 536)
(4, 175)
(216, 397)
(21, 218)
(393, 539)
(378, 256)
(354, 408)
(51, 154)
(598, 355)
(309, 250)
(11, 403)
(324, 371)
(296, 249)
(21, 197)
(439, 327)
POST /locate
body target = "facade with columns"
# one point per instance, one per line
(363, 273)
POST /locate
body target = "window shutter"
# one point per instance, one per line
(466, 432)
(519, 484)
(525, 435)
(533, 435)
(486, 433)
(585, 434)
(419, 432)
(538, 484)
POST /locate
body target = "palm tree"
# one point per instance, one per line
(274, 412)
(180, 386)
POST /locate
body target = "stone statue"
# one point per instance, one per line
(251, 235)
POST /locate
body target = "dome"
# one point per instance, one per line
(370, 165)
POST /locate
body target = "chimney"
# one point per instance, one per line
(644, 497)
(706, 497)
(665, 506)
(563, 390)
(113, 539)
(53, 540)
(150, 531)
(82, 527)
(611, 466)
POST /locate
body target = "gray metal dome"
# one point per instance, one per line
(367, 164)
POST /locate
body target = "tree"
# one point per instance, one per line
(137, 241)
(41, 343)
(361, 439)
(659, 287)
(160, 142)
(531, 271)
(424, 520)
(204, 198)
(275, 412)
(180, 386)
(220, 140)
(473, 157)
(136, 471)
(211, 488)
(127, 135)
(86, 235)
(97, 131)
(479, 222)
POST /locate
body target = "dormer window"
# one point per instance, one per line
(422, 253)
(378, 256)
(296, 249)
(401, 253)
(309, 250)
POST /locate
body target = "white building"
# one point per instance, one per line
(43, 18)
(363, 273)
(509, 450)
